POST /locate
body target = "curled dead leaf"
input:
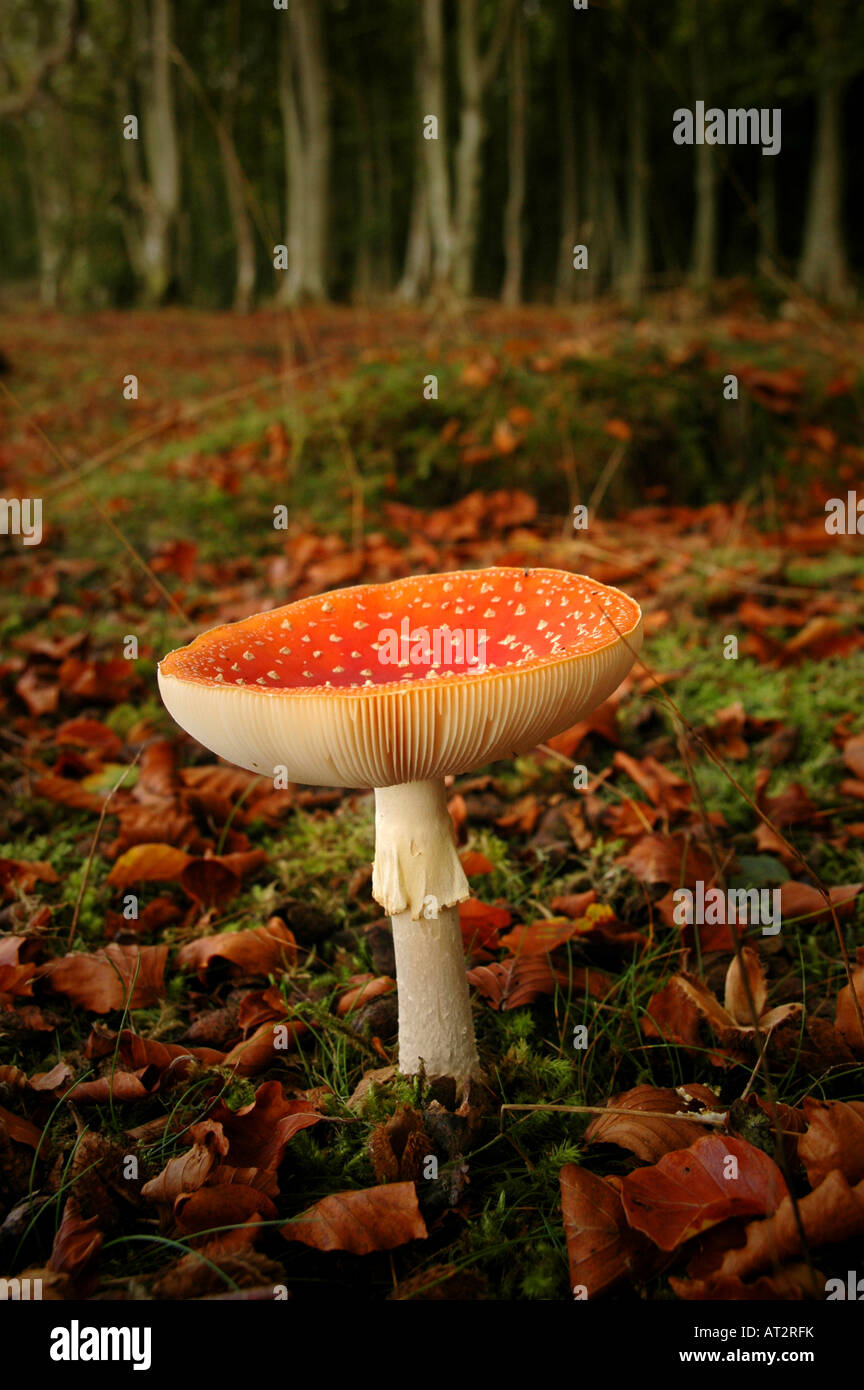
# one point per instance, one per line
(258, 951)
(647, 1137)
(834, 1139)
(376, 1218)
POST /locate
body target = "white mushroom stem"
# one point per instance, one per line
(418, 880)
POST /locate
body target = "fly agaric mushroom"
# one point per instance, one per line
(393, 686)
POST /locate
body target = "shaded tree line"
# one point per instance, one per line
(306, 150)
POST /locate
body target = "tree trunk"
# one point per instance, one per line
(50, 213)
(468, 150)
(437, 190)
(232, 169)
(291, 286)
(383, 166)
(475, 73)
(703, 262)
(633, 280)
(418, 247)
(823, 270)
(511, 290)
(567, 150)
(364, 235)
(241, 223)
(315, 106)
(593, 231)
(160, 196)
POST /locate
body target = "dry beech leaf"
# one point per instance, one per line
(229, 1204)
(539, 938)
(148, 863)
(678, 1009)
(834, 1139)
(19, 1129)
(832, 1214)
(266, 1045)
(66, 792)
(671, 859)
(367, 988)
(481, 923)
(847, 1022)
(231, 1252)
(735, 1000)
(257, 1134)
(188, 1170)
(790, 1284)
(510, 984)
(24, 874)
(803, 900)
(76, 1241)
(377, 1218)
(601, 1248)
(574, 905)
(209, 882)
(474, 863)
(259, 951)
(119, 1085)
(687, 1191)
(137, 1052)
(650, 1138)
(103, 981)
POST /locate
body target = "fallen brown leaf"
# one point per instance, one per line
(650, 1138)
(601, 1247)
(376, 1218)
(833, 1213)
(834, 1139)
(258, 951)
(691, 1189)
(112, 978)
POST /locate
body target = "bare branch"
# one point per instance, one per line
(32, 91)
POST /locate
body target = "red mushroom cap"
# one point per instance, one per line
(343, 688)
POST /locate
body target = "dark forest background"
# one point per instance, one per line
(302, 126)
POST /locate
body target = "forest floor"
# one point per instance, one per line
(157, 1139)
